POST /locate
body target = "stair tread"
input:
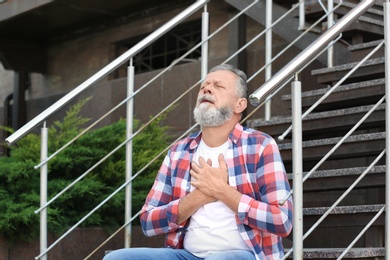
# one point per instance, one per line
(343, 172)
(316, 10)
(330, 141)
(344, 8)
(364, 45)
(336, 252)
(350, 95)
(352, 5)
(313, 116)
(340, 210)
(371, 20)
(348, 66)
(346, 87)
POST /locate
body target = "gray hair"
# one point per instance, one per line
(241, 76)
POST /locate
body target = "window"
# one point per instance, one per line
(166, 49)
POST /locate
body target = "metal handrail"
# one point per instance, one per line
(270, 86)
(176, 61)
(288, 80)
(332, 89)
(300, 60)
(105, 71)
(337, 145)
(109, 197)
(331, 208)
(292, 43)
(369, 224)
(122, 103)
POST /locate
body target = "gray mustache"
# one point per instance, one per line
(205, 97)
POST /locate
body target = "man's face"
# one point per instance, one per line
(216, 98)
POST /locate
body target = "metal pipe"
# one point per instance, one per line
(268, 52)
(338, 84)
(335, 204)
(302, 18)
(114, 193)
(330, 24)
(337, 145)
(129, 151)
(205, 45)
(310, 51)
(369, 224)
(297, 168)
(43, 192)
(386, 11)
(105, 71)
(309, 29)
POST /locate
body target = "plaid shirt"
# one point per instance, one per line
(255, 169)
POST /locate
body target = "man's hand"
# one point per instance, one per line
(207, 179)
(192, 202)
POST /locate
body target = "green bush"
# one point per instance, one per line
(19, 181)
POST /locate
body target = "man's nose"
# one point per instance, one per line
(207, 89)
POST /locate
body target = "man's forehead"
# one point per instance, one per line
(220, 76)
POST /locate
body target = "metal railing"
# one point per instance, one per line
(286, 74)
(42, 117)
(259, 97)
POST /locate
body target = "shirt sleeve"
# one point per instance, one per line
(159, 213)
(272, 184)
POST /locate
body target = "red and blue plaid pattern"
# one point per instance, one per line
(255, 169)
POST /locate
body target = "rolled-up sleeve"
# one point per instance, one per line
(266, 214)
(159, 214)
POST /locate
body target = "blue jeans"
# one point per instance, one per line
(142, 253)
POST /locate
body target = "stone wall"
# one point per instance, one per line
(78, 245)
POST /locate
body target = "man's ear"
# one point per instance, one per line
(241, 105)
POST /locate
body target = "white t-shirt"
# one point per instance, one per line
(213, 226)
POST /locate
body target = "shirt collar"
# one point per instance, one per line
(234, 136)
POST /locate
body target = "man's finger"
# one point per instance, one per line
(209, 162)
(195, 166)
(221, 161)
(202, 162)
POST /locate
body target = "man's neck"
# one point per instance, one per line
(217, 135)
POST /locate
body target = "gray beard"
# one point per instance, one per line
(209, 117)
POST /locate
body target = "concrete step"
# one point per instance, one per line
(348, 95)
(342, 226)
(315, 11)
(359, 51)
(371, 69)
(368, 27)
(287, 28)
(334, 253)
(324, 124)
(354, 147)
(313, 8)
(343, 210)
(337, 179)
(365, 29)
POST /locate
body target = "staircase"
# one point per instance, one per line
(322, 130)
(356, 165)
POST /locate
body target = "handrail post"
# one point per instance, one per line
(308, 53)
(122, 59)
(386, 7)
(43, 191)
(205, 45)
(302, 16)
(330, 24)
(297, 169)
(129, 151)
(268, 52)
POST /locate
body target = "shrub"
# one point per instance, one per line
(19, 181)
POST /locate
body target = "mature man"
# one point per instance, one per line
(217, 192)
